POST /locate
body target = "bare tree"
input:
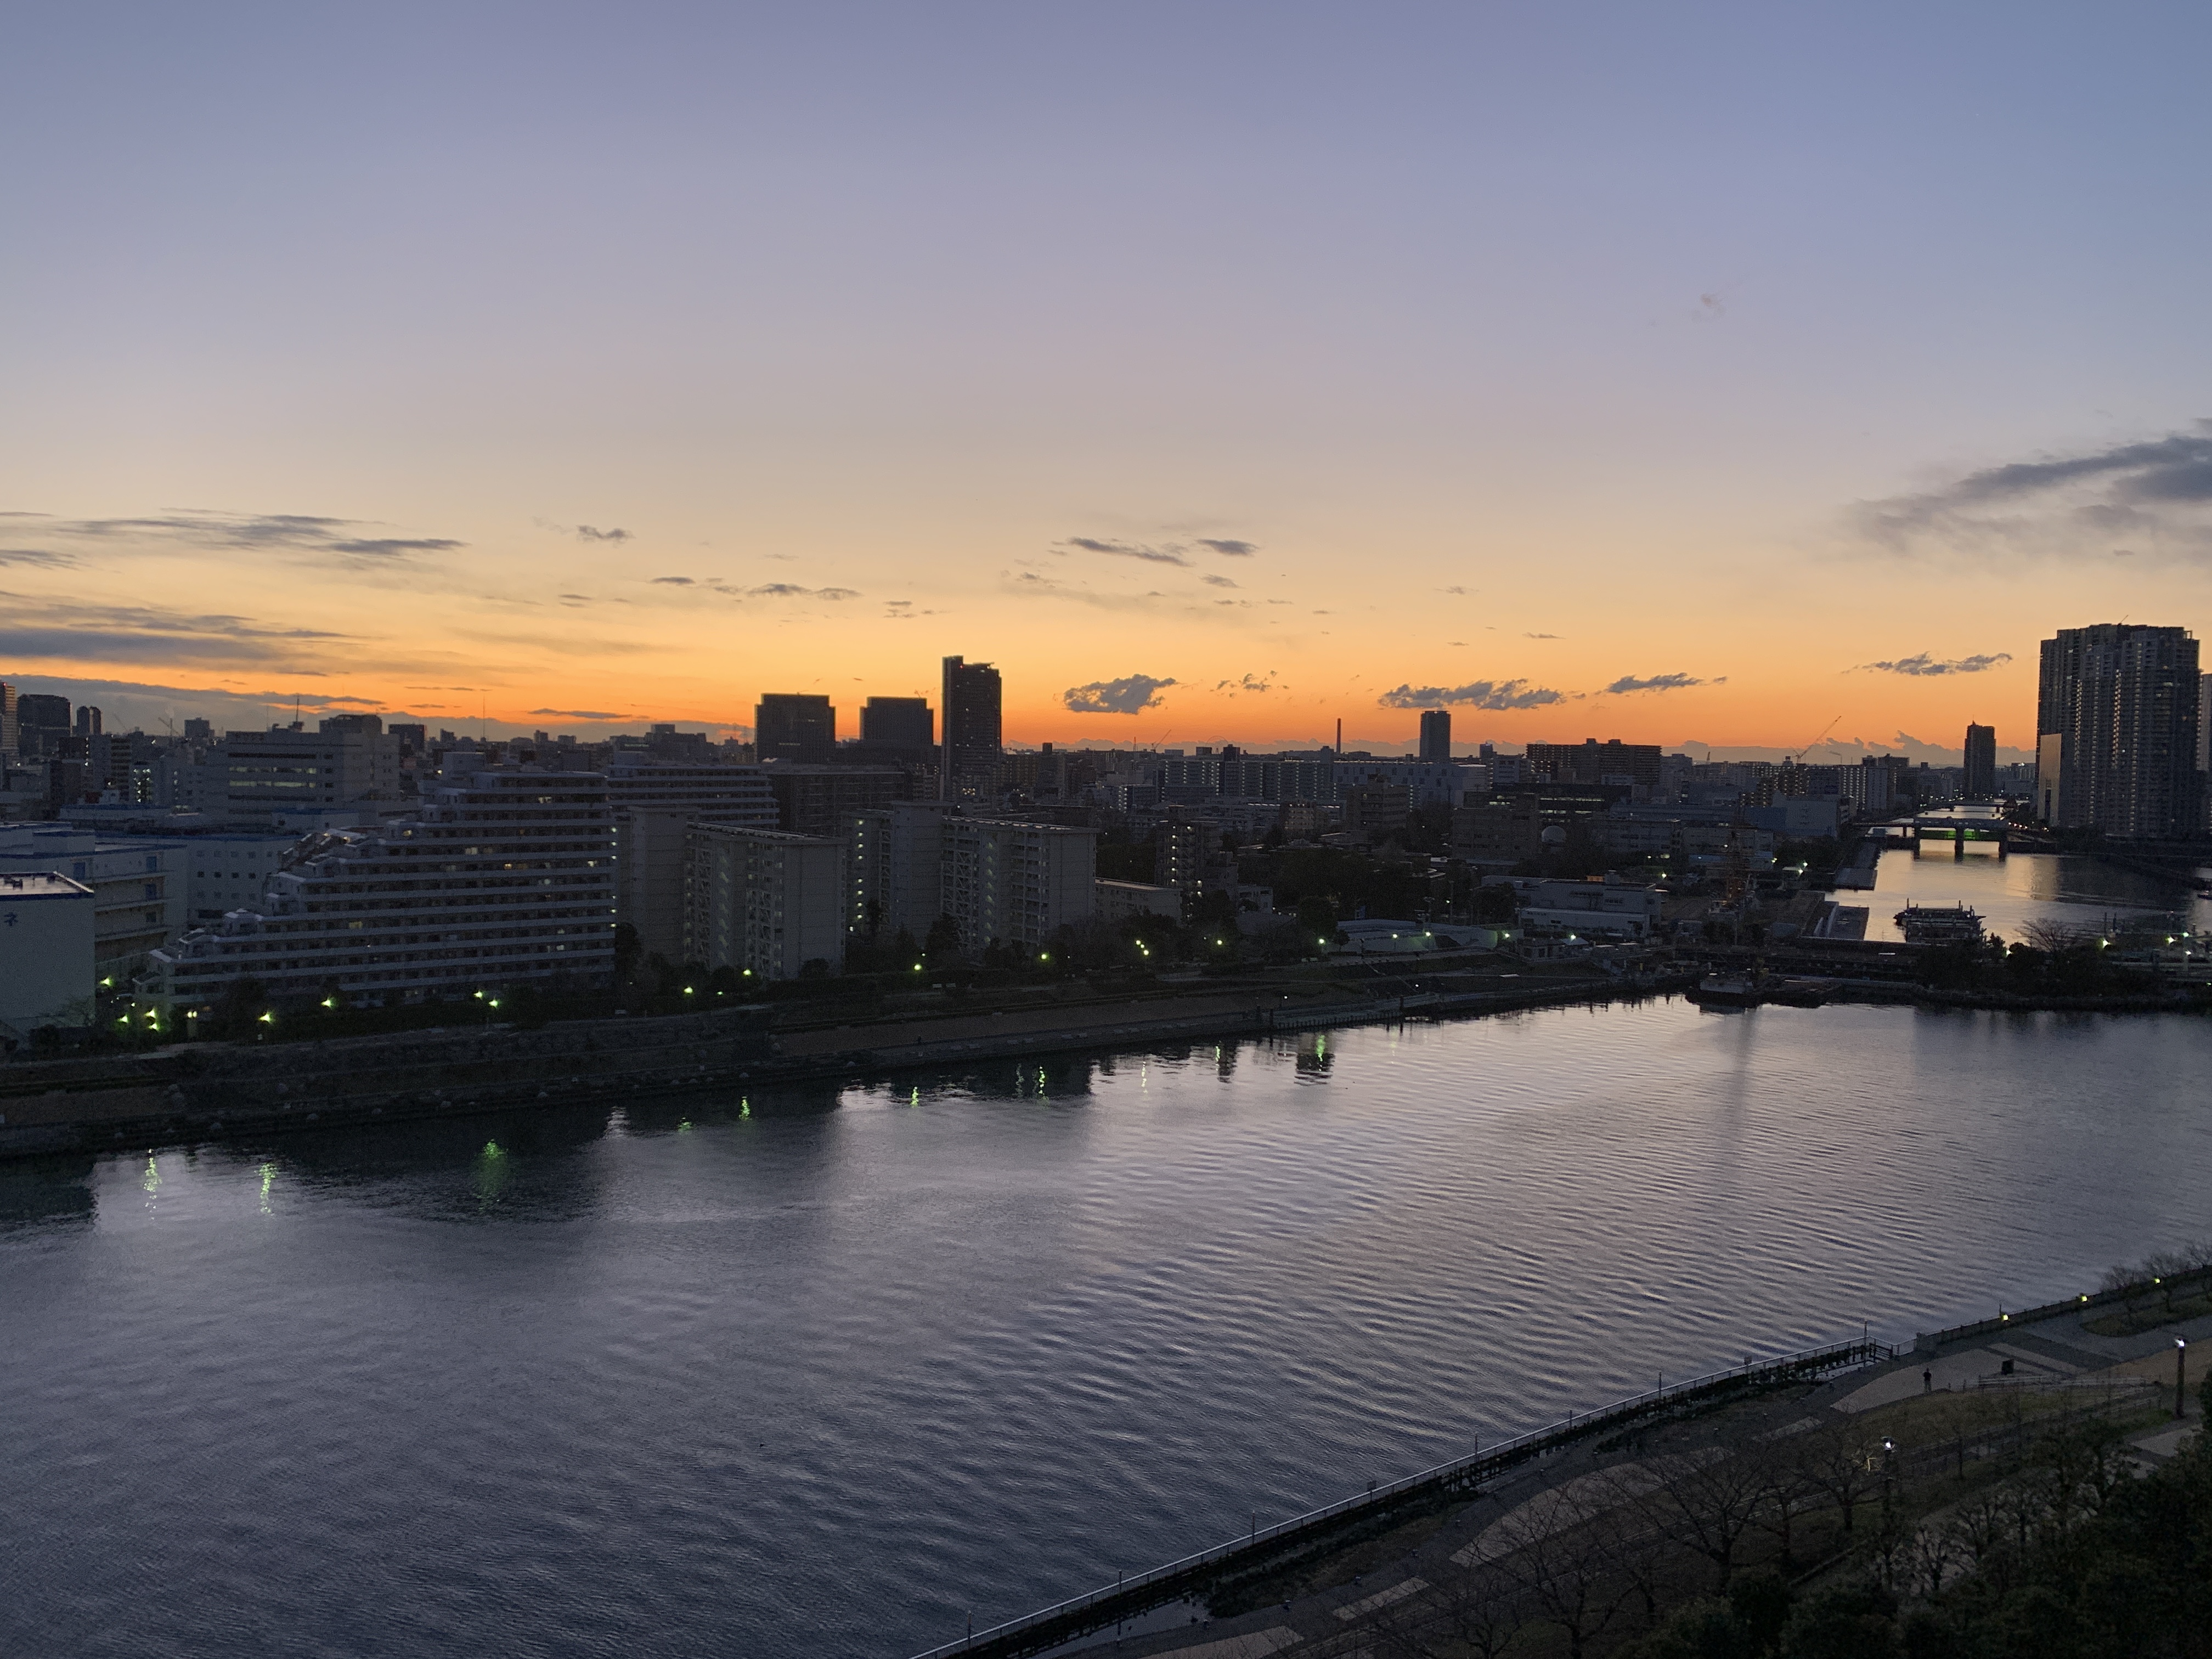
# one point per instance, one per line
(1558, 1554)
(1706, 1505)
(1844, 1460)
(1467, 1613)
(1789, 1494)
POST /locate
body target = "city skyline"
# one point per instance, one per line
(644, 372)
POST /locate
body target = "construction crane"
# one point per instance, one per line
(1809, 747)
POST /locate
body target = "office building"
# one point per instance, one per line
(794, 726)
(137, 883)
(1980, 781)
(968, 761)
(41, 723)
(1435, 734)
(250, 776)
(10, 733)
(764, 903)
(907, 723)
(46, 955)
(2120, 700)
(1015, 884)
(1592, 762)
(815, 800)
(505, 878)
(88, 721)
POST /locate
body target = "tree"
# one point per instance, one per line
(1707, 1504)
(944, 941)
(1843, 1459)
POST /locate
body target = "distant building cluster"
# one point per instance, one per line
(379, 861)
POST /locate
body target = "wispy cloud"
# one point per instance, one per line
(579, 713)
(291, 532)
(1213, 580)
(1132, 694)
(586, 532)
(1478, 694)
(2155, 494)
(675, 581)
(35, 557)
(1145, 551)
(1233, 549)
(1629, 683)
(1924, 664)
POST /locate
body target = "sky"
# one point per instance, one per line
(1705, 374)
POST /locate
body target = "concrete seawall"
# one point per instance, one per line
(205, 1092)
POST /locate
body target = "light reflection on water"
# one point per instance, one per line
(2011, 892)
(824, 1372)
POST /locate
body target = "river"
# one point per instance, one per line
(827, 1372)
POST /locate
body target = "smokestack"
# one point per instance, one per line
(1339, 736)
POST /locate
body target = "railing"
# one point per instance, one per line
(1149, 1589)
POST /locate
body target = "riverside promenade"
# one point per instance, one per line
(1403, 1553)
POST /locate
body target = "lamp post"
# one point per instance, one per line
(2180, 1375)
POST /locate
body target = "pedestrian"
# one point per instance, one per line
(1927, 1381)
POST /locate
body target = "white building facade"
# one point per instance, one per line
(506, 877)
(764, 903)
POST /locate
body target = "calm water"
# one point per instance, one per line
(2011, 892)
(823, 1373)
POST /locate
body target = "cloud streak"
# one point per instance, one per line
(1922, 664)
(285, 532)
(2155, 493)
(1131, 694)
(58, 630)
(1628, 684)
(1476, 694)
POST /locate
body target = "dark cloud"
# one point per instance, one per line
(586, 532)
(294, 532)
(1479, 694)
(1924, 664)
(1234, 550)
(47, 629)
(673, 582)
(2157, 494)
(1131, 694)
(1217, 581)
(1249, 682)
(579, 713)
(1143, 551)
(395, 548)
(1628, 683)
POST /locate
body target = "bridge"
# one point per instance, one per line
(1960, 826)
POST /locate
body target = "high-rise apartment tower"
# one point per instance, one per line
(1981, 779)
(1435, 734)
(2116, 731)
(969, 757)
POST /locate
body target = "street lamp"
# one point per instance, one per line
(2180, 1375)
